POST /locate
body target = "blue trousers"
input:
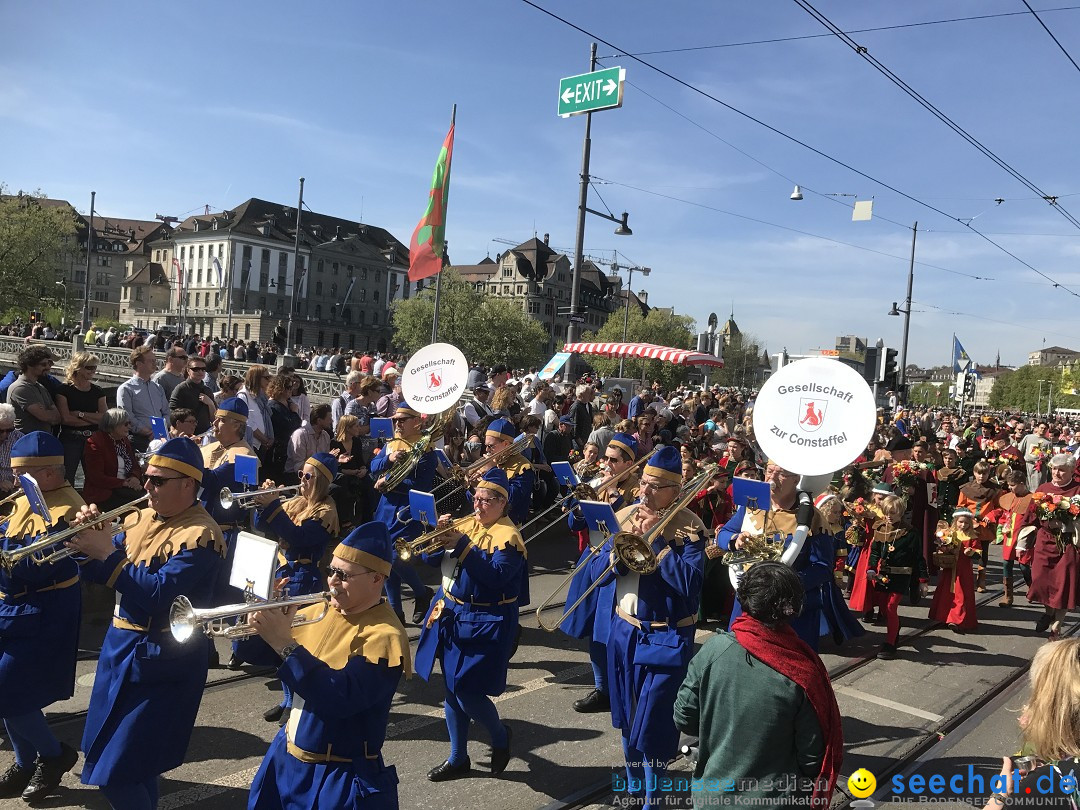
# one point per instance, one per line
(402, 570)
(643, 776)
(133, 795)
(30, 737)
(466, 706)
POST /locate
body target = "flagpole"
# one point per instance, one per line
(228, 298)
(296, 273)
(438, 278)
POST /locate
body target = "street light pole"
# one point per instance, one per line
(85, 321)
(907, 316)
(583, 202)
(63, 312)
(296, 271)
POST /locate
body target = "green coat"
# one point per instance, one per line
(897, 547)
(757, 732)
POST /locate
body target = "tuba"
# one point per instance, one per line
(812, 417)
(403, 467)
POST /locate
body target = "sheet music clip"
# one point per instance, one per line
(751, 493)
(422, 507)
(246, 470)
(599, 517)
(564, 474)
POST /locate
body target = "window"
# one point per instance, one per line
(333, 268)
(374, 318)
(319, 266)
(247, 331)
(363, 274)
(262, 302)
(198, 276)
(104, 261)
(197, 300)
(280, 306)
(520, 289)
(200, 251)
(507, 272)
(318, 288)
(346, 315)
(359, 318)
(183, 252)
(138, 293)
(217, 301)
(318, 316)
(333, 289)
(349, 270)
(534, 307)
(375, 296)
(363, 294)
(378, 275)
(221, 252)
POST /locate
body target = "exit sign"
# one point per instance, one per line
(599, 90)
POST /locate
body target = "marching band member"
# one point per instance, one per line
(406, 432)
(836, 618)
(1016, 510)
(895, 557)
(472, 624)
(1055, 569)
(40, 610)
(652, 635)
(345, 669)
(593, 619)
(981, 497)
(814, 563)
(954, 597)
(303, 525)
(500, 435)
(148, 686)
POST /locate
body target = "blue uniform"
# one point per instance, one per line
(303, 533)
(148, 686)
(837, 619)
(40, 611)
(220, 474)
(329, 754)
(813, 565)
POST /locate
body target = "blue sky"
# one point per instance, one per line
(162, 109)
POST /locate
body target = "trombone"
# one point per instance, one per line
(38, 551)
(428, 542)
(18, 491)
(634, 551)
(246, 500)
(591, 491)
(185, 620)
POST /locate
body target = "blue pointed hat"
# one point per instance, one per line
(326, 464)
(627, 443)
(233, 408)
(180, 454)
(666, 463)
(368, 545)
(495, 479)
(37, 449)
(502, 429)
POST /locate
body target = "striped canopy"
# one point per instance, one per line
(680, 357)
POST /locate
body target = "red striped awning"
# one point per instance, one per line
(680, 357)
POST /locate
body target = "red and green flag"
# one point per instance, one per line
(428, 244)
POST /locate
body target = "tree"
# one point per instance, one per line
(1020, 390)
(742, 359)
(662, 327)
(33, 238)
(487, 329)
(929, 394)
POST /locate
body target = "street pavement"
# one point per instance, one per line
(889, 708)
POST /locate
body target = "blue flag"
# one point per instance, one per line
(960, 359)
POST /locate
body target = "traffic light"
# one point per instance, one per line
(870, 365)
(35, 316)
(969, 386)
(888, 370)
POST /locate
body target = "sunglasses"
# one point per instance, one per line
(403, 418)
(303, 476)
(333, 571)
(198, 368)
(158, 481)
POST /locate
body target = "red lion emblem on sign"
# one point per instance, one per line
(434, 380)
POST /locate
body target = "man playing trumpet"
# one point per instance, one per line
(40, 610)
(344, 670)
(148, 686)
(395, 498)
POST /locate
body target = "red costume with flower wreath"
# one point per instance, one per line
(859, 532)
(1055, 569)
(954, 597)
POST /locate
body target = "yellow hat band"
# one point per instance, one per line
(493, 487)
(36, 461)
(181, 467)
(364, 558)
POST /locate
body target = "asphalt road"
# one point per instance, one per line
(889, 709)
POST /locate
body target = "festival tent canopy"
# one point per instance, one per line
(649, 351)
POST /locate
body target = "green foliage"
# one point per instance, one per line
(661, 327)
(925, 393)
(1020, 390)
(742, 359)
(33, 240)
(487, 329)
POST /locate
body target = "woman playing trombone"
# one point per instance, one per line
(304, 525)
(473, 621)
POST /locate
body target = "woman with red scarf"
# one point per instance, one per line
(761, 668)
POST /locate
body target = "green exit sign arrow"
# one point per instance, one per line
(599, 90)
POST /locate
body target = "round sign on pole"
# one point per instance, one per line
(434, 378)
(814, 416)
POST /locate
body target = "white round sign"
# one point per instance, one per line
(814, 416)
(434, 378)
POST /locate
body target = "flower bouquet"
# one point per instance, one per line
(1042, 457)
(907, 473)
(947, 545)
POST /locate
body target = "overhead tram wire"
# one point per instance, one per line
(780, 40)
(1050, 33)
(790, 229)
(1026, 326)
(803, 144)
(930, 107)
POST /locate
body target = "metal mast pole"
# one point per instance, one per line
(907, 317)
(89, 250)
(583, 201)
(296, 270)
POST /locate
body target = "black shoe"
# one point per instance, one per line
(14, 780)
(446, 771)
(501, 756)
(270, 715)
(595, 701)
(423, 602)
(284, 717)
(48, 773)
(887, 652)
(1043, 624)
(234, 664)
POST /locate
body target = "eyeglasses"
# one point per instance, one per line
(654, 486)
(403, 418)
(198, 368)
(332, 572)
(485, 501)
(158, 481)
(304, 476)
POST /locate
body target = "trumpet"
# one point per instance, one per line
(38, 551)
(146, 454)
(428, 542)
(185, 620)
(246, 500)
(634, 551)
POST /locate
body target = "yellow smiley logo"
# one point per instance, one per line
(862, 783)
